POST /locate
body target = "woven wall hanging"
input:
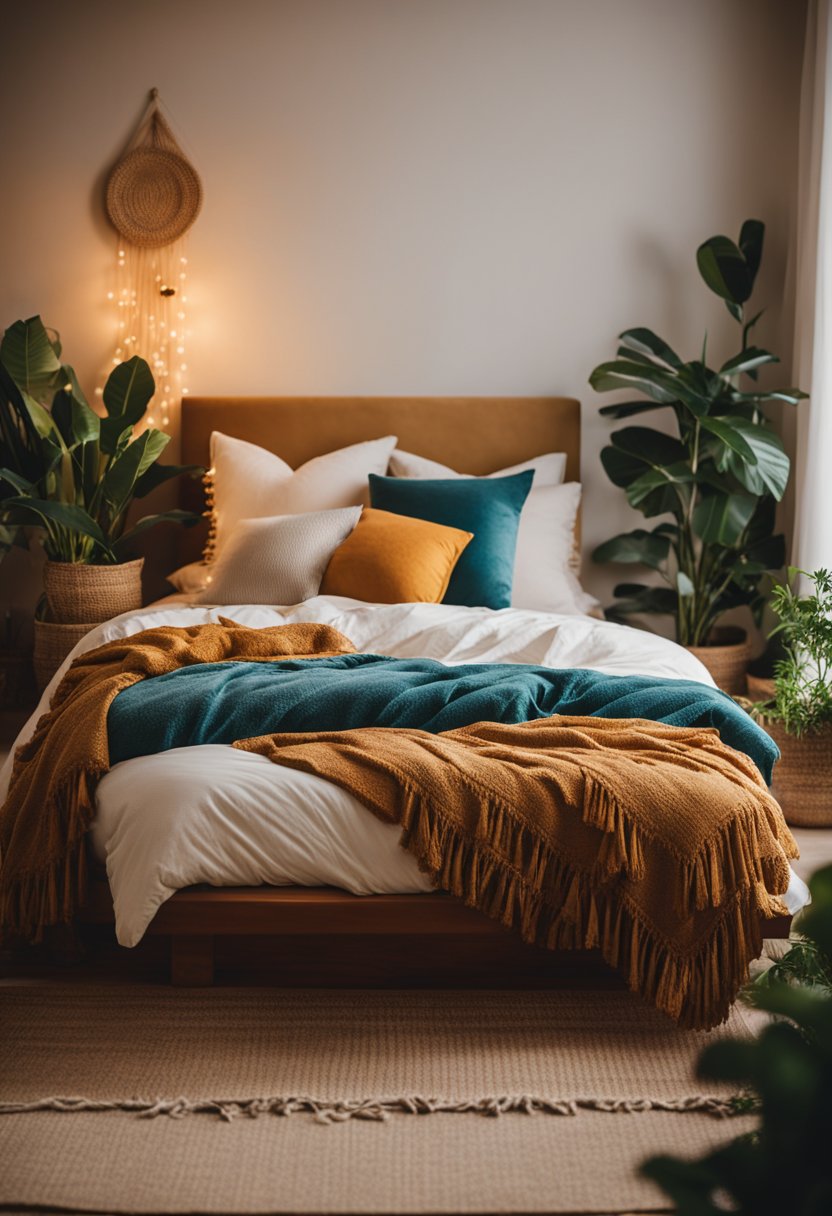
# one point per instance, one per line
(153, 195)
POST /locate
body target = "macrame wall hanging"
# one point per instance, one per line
(153, 196)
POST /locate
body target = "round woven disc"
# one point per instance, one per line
(153, 196)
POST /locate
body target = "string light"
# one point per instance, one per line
(150, 296)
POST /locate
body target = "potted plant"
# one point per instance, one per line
(783, 1164)
(73, 476)
(799, 718)
(713, 484)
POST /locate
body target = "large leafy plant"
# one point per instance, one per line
(718, 477)
(784, 1165)
(803, 676)
(64, 469)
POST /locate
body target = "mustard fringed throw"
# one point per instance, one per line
(658, 844)
(51, 799)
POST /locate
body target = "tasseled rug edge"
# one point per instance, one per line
(379, 1110)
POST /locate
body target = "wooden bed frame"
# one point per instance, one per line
(471, 434)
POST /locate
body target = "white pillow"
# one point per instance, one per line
(250, 482)
(549, 470)
(543, 575)
(279, 559)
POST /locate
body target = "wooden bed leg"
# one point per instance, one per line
(191, 960)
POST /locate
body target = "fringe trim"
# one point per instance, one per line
(552, 904)
(210, 514)
(52, 894)
(378, 1110)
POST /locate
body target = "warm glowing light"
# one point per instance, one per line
(147, 290)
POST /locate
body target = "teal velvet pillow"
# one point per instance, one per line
(487, 506)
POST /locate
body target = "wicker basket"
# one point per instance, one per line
(802, 781)
(760, 688)
(52, 644)
(86, 595)
(726, 658)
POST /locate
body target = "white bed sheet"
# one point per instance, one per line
(215, 815)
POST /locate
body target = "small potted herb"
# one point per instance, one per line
(799, 718)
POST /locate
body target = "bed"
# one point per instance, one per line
(203, 898)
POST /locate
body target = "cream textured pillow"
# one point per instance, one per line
(279, 559)
(543, 574)
(249, 482)
(549, 470)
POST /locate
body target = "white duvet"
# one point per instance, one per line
(216, 815)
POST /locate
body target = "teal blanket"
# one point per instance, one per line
(222, 702)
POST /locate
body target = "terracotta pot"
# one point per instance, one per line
(86, 595)
(726, 657)
(53, 643)
(802, 781)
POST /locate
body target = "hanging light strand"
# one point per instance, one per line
(149, 305)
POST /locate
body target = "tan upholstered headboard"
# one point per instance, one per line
(471, 434)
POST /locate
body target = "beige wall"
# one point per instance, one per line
(410, 196)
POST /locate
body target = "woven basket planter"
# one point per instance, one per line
(52, 644)
(86, 595)
(802, 781)
(726, 659)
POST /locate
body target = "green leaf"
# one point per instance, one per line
(729, 435)
(752, 235)
(766, 554)
(42, 420)
(771, 466)
(638, 598)
(74, 385)
(625, 409)
(28, 354)
(724, 269)
(186, 519)
(20, 483)
(648, 446)
(126, 467)
(74, 419)
(640, 546)
(790, 396)
(749, 325)
(721, 518)
(114, 435)
(624, 373)
(747, 360)
(128, 390)
(662, 385)
(689, 1184)
(157, 474)
(645, 342)
(662, 478)
(67, 515)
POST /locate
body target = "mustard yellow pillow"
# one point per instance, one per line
(394, 559)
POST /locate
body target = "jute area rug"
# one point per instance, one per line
(120, 1098)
